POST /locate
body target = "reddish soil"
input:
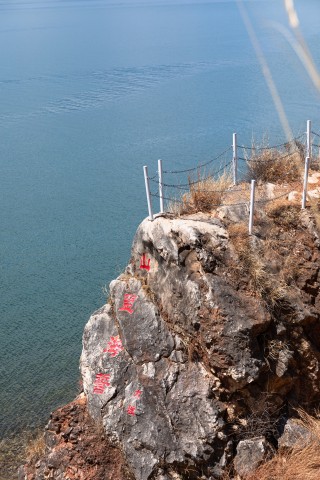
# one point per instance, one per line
(76, 449)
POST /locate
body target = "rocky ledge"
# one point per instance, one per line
(209, 340)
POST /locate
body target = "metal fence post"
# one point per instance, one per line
(305, 182)
(160, 186)
(235, 158)
(309, 145)
(253, 188)
(146, 180)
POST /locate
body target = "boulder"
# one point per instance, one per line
(179, 345)
(295, 435)
(250, 454)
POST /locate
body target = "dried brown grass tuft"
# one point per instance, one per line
(251, 264)
(261, 421)
(239, 235)
(204, 195)
(239, 231)
(291, 268)
(270, 165)
(284, 213)
(315, 211)
(312, 423)
(295, 464)
(35, 448)
(301, 464)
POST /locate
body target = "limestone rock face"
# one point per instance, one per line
(182, 350)
(148, 403)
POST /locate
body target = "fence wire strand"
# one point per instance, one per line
(154, 176)
(195, 182)
(264, 201)
(271, 147)
(200, 190)
(267, 160)
(187, 170)
(268, 200)
(176, 200)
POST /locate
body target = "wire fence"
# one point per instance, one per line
(232, 179)
(188, 170)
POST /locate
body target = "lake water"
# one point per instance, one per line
(90, 91)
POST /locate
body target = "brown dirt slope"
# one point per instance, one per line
(75, 448)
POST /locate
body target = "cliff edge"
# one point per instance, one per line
(210, 337)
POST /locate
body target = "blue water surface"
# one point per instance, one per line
(90, 91)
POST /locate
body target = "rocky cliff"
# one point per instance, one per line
(209, 337)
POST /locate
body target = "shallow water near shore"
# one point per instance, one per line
(90, 92)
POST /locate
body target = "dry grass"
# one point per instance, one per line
(35, 448)
(284, 213)
(299, 463)
(270, 165)
(239, 231)
(315, 210)
(251, 264)
(204, 195)
(291, 267)
(261, 421)
(312, 423)
(16, 449)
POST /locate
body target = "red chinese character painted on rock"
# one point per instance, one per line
(143, 264)
(128, 301)
(137, 394)
(131, 410)
(102, 381)
(114, 346)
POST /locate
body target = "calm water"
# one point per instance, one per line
(90, 91)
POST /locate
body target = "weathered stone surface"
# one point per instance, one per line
(284, 360)
(193, 294)
(295, 434)
(250, 454)
(193, 345)
(162, 427)
(233, 214)
(188, 345)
